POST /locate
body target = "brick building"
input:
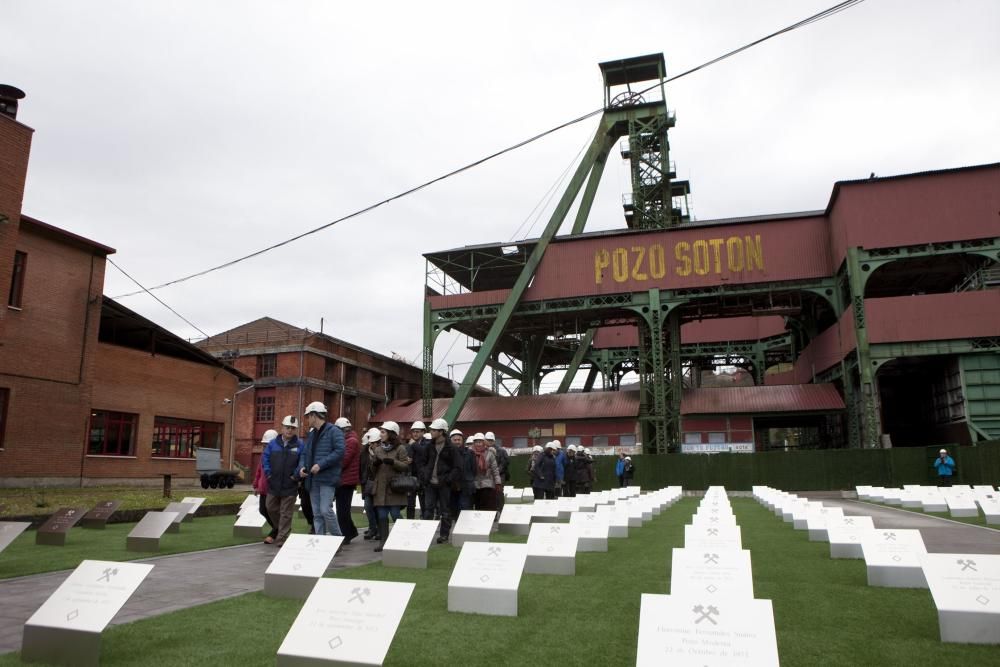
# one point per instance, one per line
(90, 392)
(291, 367)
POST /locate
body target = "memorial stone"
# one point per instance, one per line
(147, 533)
(345, 622)
(9, 531)
(53, 531)
(408, 543)
(249, 524)
(966, 592)
(486, 578)
(693, 631)
(67, 628)
(516, 519)
(551, 549)
(98, 517)
(719, 536)
(719, 574)
(182, 510)
(894, 558)
(301, 561)
(592, 529)
(192, 500)
(472, 526)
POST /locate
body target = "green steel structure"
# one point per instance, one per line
(520, 341)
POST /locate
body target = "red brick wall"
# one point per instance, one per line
(15, 145)
(127, 380)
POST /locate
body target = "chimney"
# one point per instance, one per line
(9, 95)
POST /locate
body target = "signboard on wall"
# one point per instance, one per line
(717, 448)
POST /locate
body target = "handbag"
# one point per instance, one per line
(403, 484)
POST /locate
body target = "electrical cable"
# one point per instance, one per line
(144, 290)
(839, 7)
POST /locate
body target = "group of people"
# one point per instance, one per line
(446, 470)
(556, 472)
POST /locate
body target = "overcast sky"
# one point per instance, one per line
(188, 133)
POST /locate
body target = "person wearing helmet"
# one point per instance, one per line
(349, 478)
(543, 476)
(260, 486)
(388, 460)
(569, 472)
(536, 454)
(486, 477)
(440, 470)
(584, 470)
(945, 466)
(369, 442)
(560, 457)
(629, 471)
(280, 462)
(320, 466)
(503, 463)
(415, 449)
(464, 484)
(620, 469)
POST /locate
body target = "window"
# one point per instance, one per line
(178, 438)
(692, 438)
(351, 376)
(112, 433)
(331, 400)
(267, 365)
(520, 443)
(627, 440)
(348, 409)
(264, 408)
(331, 370)
(4, 398)
(17, 279)
(499, 441)
(600, 441)
(572, 440)
(716, 438)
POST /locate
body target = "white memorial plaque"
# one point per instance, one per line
(486, 578)
(528, 496)
(962, 506)
(894, 558)
(724, 536)
(704, 519)
(719, 574)
(694, 631)
(251, 502)
(249, 524)
(516, 519)
(301, 560)
(586, 501)
(183, 511)
(991, 510)
(147, 533)
(545, 510)
(966, 591)
(9, 531)
(617, 519)
(472, 526)
(817, 522)
(592, 529)
(408, 543)
(345, 622)
(193, 500)
(67, 628)
(512, 495)
(845, 535)
(551, 549)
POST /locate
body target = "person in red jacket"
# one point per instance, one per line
(349, 478)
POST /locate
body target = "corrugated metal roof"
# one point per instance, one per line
(625, 404)
(759, 400)
(548, 407)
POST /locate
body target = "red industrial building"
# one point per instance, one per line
(90, 392)
(292, 367)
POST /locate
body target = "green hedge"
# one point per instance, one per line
(808, 470)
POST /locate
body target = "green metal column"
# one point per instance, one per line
(427, 385)
(871, 426)
(574, 365)
(658, 400)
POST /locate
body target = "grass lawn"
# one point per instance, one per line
(825, 613)
(41, 502)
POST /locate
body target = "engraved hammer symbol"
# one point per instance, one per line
(312, 543)
(967, 564)
(494, 551)
(108, 573)
(713, 531)
(890, 537)
(359, 595)
(712, 558)
(705, 614)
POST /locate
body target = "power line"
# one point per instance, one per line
(826, 13)
(125, 273)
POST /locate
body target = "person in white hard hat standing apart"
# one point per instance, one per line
(260, 486)
(486, 478)
(388, 460)
(348, 479)
(945, 466)
(280, 462)
(368, 443)
(437, 474)
(319, 466)
(415, 449)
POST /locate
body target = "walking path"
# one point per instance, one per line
(177, 582)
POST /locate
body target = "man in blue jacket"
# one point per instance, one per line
(319, 466)
(280, 463)
(945, 466)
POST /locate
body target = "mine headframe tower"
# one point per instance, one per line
(532, 339)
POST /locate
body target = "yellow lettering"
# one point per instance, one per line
(619, 265)
(699, 249)
(657, 262)
(717, 250)
(637, 273)
(601, 262)
(681, 252)
(734, 253)
(754, 253)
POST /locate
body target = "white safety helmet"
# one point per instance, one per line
(490, 436)
(391, 426)
(427, 436)
(536, 448)
(469, 440)
(418, 424)
(557, 444)
(551, 445)
(455, 431)
(269, 435)
(439, 425)
(289, 420)
(342, 422)
(628, 458)
(316, 407)
(479, 436)
(372, 435)
(943, 451)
